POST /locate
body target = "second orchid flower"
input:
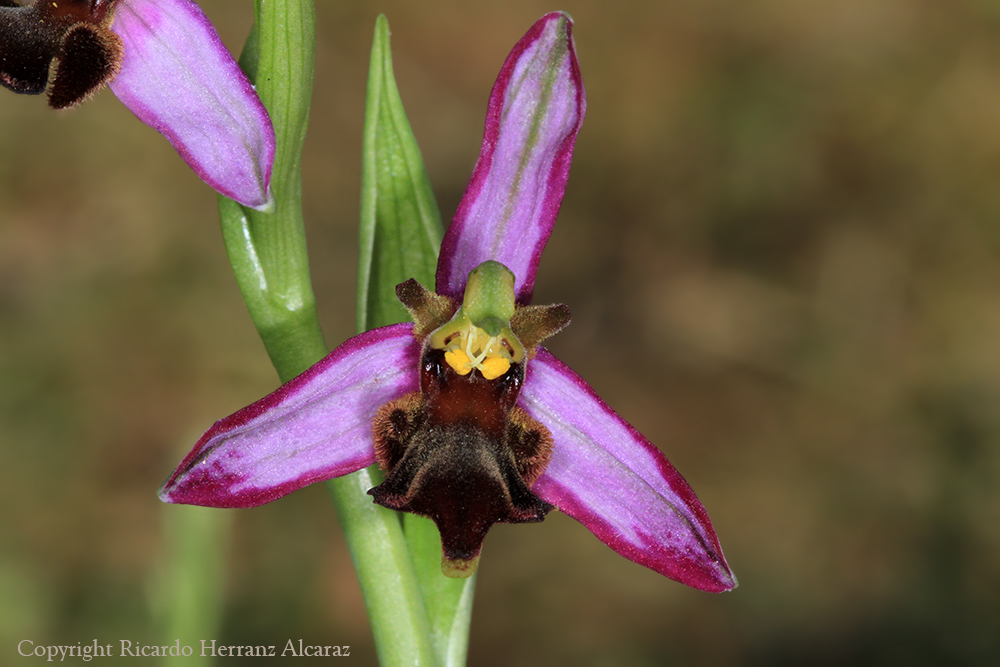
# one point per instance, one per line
(165, 62)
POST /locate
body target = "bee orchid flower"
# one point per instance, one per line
(472, 420)
(165, 62)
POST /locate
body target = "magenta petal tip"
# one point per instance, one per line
(610, 478)
(315, 427)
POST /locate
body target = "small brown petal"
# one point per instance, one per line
(533, 324)
(428, 310)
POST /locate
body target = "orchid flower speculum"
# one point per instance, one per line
(473, 421)
(165, 62)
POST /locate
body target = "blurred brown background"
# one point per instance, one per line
(781, 247)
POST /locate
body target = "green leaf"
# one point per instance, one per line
(400, 235)
(401, 230)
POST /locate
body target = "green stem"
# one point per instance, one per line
(281, 303)
(268, 255)
(385, 572)
(268, 250)
(187, 591)
(448, 601)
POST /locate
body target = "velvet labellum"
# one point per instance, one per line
(459, 451)
(63, 46)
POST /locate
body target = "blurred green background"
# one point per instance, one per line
(781, 246)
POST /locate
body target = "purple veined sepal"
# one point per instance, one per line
(178, 78)
(610, 478)
(534, 114)
(315, 427)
